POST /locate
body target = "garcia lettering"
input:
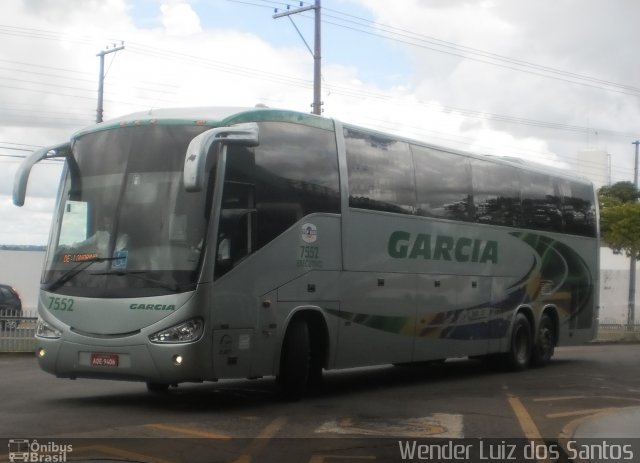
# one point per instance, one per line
(152, 307)
(403, 245)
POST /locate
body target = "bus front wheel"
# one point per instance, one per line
(519, 355)
(295, 361)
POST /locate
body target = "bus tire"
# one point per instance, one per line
(157, 388)
(295, 361)
(545, 342)
(521, 346)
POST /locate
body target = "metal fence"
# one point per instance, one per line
(17, 331)
(618, 331)
(619, 326)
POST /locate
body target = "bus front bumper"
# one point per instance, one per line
(155, 363)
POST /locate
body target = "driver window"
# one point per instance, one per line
(236, 233)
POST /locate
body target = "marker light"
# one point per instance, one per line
(44, 330)
(188, 331)
(177, 360)
(41, 352)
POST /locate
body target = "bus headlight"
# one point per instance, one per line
(188, 331)
(44, 330)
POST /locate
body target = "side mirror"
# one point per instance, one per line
(199, 148)
(22, 175)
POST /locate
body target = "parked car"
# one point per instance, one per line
(10, 307)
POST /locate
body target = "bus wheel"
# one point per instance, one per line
(545, 346)
(519, 355)
(295, 361)
(157, 388)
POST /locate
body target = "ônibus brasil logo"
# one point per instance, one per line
(33, 451)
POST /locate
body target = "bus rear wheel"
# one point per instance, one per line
(519, 355)
(545, 342)
(295, 361)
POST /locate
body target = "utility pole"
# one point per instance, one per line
(316, 53)
(631, 313)
(108, 50)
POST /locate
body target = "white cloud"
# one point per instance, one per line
(48, 73)
(178, 18)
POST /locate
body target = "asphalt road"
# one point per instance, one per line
(359, 414)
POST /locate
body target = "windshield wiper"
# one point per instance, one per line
(72, 272)
(137, 274)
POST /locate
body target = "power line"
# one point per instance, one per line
(347, 91)
(303, 83)
(20, 144)
(356, 23)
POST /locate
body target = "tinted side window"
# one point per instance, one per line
(541, 203)
(380, 173)
(292, 173)
(443, 184)
(578, 209)
(496, 194)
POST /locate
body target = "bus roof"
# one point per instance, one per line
(208, 116)
(223, 116)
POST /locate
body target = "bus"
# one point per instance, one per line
(192, 245)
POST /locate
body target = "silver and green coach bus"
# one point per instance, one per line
(199, 244)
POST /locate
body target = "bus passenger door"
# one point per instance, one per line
(236, 233)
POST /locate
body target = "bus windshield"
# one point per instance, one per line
(125, 225)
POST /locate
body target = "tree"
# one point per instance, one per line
(618, 193)
(620, 230)
(620, 218)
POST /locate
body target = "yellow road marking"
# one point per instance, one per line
(526, 422)
(568, 397)
(529, 428)
(261, 440)
(189, 431)
(578, 397)
(591, 411)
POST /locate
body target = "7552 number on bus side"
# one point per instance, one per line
(309, 252)
(61, 303)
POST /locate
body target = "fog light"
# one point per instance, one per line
(177, 360)
(41, 352)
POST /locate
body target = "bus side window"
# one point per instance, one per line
(292, 173)
(578, 209)
(380, 170)
(541, 205)
(443, 184)
(236, 233)
(496, 194)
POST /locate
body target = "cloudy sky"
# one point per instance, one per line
(544, 80)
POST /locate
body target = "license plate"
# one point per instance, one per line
(104, 360)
